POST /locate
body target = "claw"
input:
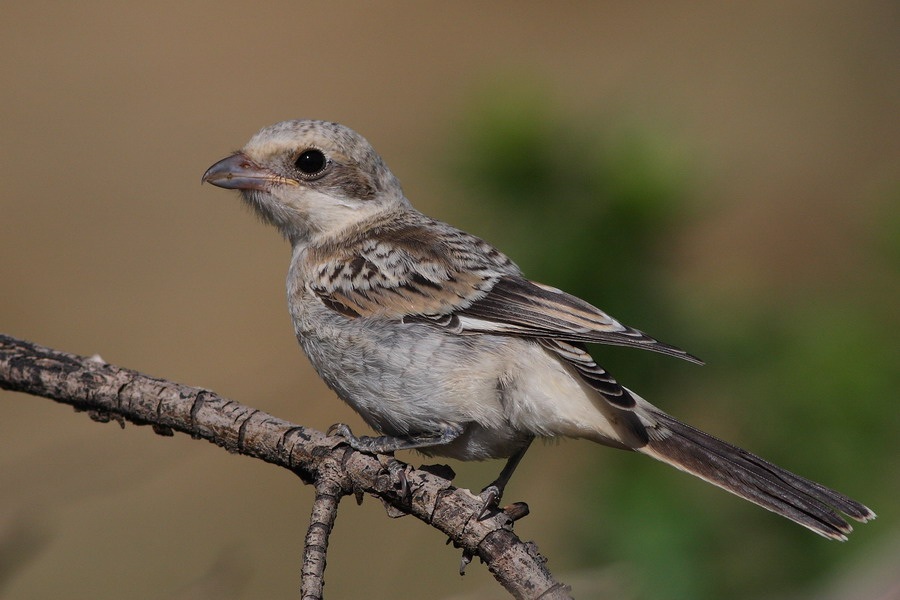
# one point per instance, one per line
(396, 469)
(342, 431)
(360, 444)
(490, 497)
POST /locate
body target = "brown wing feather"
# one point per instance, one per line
(401, 268)
(521, 307)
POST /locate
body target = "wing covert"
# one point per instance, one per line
(397, 269)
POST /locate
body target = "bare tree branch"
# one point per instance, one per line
(324, 512)
(107, 392)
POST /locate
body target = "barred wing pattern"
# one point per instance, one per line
(401, 268)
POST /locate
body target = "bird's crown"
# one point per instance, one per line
(310, 178)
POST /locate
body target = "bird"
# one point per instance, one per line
(442, 345)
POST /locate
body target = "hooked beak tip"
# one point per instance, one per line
(238, 172)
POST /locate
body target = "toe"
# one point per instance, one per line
(490, 497)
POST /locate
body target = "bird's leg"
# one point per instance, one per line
(386, 444)
(491, 494)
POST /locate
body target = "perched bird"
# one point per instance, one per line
(440, 343)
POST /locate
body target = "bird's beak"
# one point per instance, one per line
(237, 172)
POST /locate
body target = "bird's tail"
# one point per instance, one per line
(806, 502)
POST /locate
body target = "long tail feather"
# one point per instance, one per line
(806, 502)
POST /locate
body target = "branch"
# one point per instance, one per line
(110, 393)
(324, 512)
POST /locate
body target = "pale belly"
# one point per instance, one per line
(414, 378)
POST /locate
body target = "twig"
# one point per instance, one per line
(107, 393)
(324, 512)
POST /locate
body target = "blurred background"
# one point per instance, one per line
(723, 176)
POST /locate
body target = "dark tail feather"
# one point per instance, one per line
(806, 502)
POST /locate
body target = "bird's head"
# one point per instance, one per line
(310, 179)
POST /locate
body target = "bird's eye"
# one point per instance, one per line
(311, 162)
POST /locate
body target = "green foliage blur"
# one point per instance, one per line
(593, 208)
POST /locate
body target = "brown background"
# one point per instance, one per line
(109, 114)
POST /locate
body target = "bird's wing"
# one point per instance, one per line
(419, 269)
(406, 292)
(427, 271)
(562, 324)
(520, 307)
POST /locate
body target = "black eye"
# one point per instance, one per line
(311, 162)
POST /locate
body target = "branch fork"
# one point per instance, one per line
(110, 393)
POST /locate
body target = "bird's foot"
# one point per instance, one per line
(490, 497)
(395, 469)
(385, 444)
(363, 443)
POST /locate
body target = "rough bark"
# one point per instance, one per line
(110, 393)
